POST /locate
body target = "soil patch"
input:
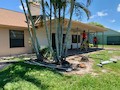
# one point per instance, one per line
(75, 60)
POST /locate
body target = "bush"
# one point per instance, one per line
(46, 53)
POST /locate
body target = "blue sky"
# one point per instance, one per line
(106, 12)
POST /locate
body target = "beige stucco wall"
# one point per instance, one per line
(42, 38)
(5, 49)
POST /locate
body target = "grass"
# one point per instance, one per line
(28, 77)
(22, 76)
(110, 46)
(106, 55)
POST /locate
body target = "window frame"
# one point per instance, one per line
(77, 38)
(19, 39)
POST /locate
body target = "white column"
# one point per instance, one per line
(77, 37)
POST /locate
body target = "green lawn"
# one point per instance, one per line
(110, 46)
(22, 76)
(106, 55)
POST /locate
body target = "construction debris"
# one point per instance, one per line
(107, 62)
(82, 65)
(84, 59)
(52, 66)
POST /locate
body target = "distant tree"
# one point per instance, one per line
(96, 24)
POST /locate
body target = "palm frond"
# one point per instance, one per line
(82, 6)
(88, 2)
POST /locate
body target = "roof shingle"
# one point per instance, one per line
(12, 18)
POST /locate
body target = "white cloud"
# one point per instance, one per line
(93, 16)
(113, 20)
(101, 14)
(118, 8)
(21, 8)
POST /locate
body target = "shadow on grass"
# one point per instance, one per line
(95, 58)
(18, 72)
(72, 52)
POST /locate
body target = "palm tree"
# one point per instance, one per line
(48, 32)
(58, 8)
(33, 37)
(58, 5)
(78, 6)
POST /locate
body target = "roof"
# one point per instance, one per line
(12, 18)
(113, 30)
(17, 19)
(76, 25)
(80, 27)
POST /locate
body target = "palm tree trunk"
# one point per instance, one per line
(34, 30)
(62, 30)
(68, 29)
(30, 33)
(51, 21)
(51, 53)
(46, 28)
(59, 29)
(56, 36)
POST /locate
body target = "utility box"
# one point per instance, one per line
(34, 7)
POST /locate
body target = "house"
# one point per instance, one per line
(14, 36)
(111, 37)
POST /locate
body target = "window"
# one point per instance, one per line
(74, 38)
(16, 38)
